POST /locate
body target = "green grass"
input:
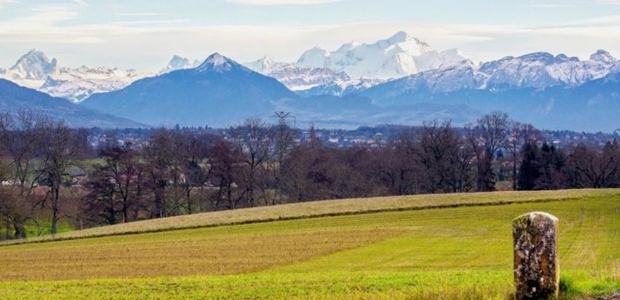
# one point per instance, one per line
(323, 208)
(442, 253)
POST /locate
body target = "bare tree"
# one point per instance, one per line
(284, 143)
(226, 161)
(486, 138)
(160, 155)
(62, 147)
(404, 172)
(437, 144)
(595, 168)
(255, 138)
(24, 138)
(119, 178)
(461, 177)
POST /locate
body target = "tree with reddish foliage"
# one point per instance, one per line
(227, 163)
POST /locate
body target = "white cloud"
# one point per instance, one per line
(608, 2)
(605, 20)
(581, 2)
(139, 14)
(42, 16)
(81, 2)
(282, 2)
(549, 5)
(5, 2)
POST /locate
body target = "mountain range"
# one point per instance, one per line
(221, 92)
(217, 93)
(14, 97)
(398, 56)
(35, 70)
(399, 80)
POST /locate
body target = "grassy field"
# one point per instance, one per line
(408, 248)
(323, 208)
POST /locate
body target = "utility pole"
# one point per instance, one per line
(285, 139)
(283, 116)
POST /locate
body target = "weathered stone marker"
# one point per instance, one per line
(536, 266)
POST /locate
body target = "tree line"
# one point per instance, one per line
(180, 171)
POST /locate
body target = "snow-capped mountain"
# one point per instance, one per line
(398, 56)
(179, 63)
(78, 84)
(266, 65)
(35, 70)
(219, 92)
(34, 65)
(542, 69)
(535, 70)
(445, 79)
(305, 78)
(342, 88)
(355, 66)
(300, 79)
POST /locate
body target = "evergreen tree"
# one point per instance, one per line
(552, 162)
(529, 172)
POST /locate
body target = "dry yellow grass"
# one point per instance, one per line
(183, 254)
(324, 208)
(452, 253)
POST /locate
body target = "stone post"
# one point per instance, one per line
(536, 265)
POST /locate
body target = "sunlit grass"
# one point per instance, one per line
(446, 253)
(323, 208)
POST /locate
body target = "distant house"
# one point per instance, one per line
(78, 177)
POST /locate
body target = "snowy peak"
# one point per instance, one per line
(403, 42)
(220, 64)
(34, 65)
(604, 57)
(347, 46)
(78, 84)
(399, 37)
(305, 78)
(406, 42)
(314, 58)
(265, 65)
(542, 69)
(297, 78)
(397, 56)
(179, 63)
(36, 71)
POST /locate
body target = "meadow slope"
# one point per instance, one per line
(322, 208)
(416, 247)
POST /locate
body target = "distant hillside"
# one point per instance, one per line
(591, 106)
(14, 97)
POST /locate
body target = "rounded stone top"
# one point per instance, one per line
(536, 215)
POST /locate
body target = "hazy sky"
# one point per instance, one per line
(144, 34)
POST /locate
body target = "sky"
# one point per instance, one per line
(145, 34)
